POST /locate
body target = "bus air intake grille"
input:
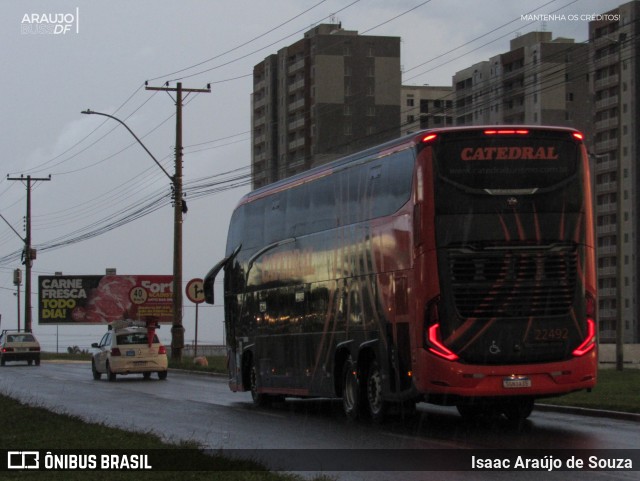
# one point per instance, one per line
(513, 283)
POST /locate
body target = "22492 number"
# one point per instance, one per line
(554, 334)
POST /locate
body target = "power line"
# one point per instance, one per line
(237, 47)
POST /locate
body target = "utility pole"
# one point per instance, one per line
(29, 254)
(179, 208)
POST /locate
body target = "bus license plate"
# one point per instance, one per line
(514, 382)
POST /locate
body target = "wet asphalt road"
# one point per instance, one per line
(202, 409)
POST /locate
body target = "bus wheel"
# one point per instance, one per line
(259, 399)
(350, 390)
(377, 405)
(518, 410)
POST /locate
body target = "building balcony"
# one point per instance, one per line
(296, 124)
(607, 314)
(606, 209)
(605, 230)
(607, 124)
(607, 103)
(296, 86)
(606, 251)
(259, 103)
(606, 271)
(606, 145)
(293, 106)
(607, 82)
(606, 187)
(607, 292)
(608, 166)
(605, 61)
(296, 144)
(294, 67)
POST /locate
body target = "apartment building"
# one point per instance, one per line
(614, 48)
(539, 81)
(329, 94)
(425, 107)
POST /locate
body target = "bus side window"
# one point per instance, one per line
(297, 215)
(275, 208)
(323, 204)
(253, 229)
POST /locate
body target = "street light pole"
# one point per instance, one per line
(177, 330)
(93, 112)
(179, 208)
(29, 253)
(176, 185)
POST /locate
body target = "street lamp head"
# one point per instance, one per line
(88, 112)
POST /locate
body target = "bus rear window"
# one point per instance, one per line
(479, 162)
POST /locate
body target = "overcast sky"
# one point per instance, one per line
(101, 61)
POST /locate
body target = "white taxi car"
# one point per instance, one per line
(19, 346)
(129, 347)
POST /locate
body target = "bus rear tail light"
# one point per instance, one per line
(506, 132)
(436, 347)
(433, 340)
(589, 342)
(429, 138)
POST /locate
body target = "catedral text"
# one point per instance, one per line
(509, 153)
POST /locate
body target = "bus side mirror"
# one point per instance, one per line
(211, 275)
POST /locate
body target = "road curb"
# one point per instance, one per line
(596, 413)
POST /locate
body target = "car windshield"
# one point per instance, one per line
(20, 338)
(135, 338)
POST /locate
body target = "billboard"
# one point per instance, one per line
(104, 299)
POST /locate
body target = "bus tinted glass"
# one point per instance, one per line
(478, 161)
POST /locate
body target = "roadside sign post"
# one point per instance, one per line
(195, 293)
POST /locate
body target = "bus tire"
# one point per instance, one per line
(517, 410)
(259, 399)
(350, 389)
(375, 402)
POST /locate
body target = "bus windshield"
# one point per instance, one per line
(495, 162)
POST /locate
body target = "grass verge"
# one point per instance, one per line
(615, 391)
(33, 428)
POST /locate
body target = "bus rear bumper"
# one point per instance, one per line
(442, 378)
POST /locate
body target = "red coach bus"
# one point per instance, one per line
(453, 266)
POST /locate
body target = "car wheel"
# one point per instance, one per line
(96, 374)
(350, 390)
(111, 376)
(146, 375)
(2, 361)
(30, 362)
(162, 375)
(37, 361)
